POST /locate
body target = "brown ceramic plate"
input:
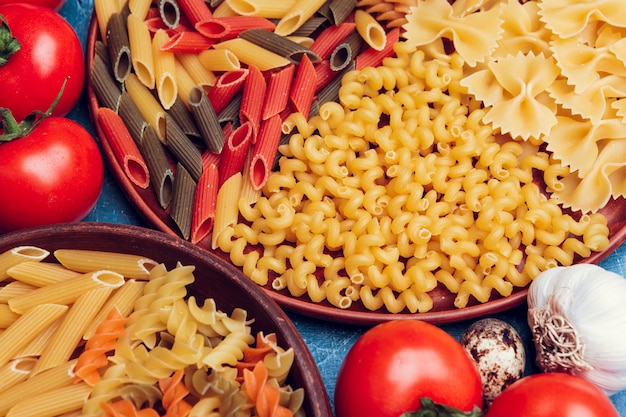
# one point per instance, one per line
(215, 279)
(443, 311)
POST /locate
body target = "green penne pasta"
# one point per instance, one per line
(279, 45)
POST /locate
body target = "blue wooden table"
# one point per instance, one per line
(328, 342)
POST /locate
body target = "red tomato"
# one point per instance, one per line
(50, 52)
(552, 395)
(50, 4)
(394, 364)
(52, 175)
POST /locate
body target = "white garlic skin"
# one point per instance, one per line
(592, 299)
(499, 353)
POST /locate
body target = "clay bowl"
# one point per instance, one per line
(215, 278)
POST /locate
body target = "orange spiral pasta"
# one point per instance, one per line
(126, 408)
(174, 393)
(104, 340)
(264, 396)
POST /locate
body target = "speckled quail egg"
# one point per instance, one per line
(498, 351)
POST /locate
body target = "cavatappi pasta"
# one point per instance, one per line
(126, 345)
(400, 188)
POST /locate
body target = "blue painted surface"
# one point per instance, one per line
(328, 342)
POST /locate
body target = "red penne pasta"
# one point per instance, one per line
(278, 88)
(370, 57)
(252, 99)
(195, 10)
(203, 214)
(227, 85)
(325, 74)
(210, 158)
(124, 147)
(235, 152)
(187, 42)
(304, 85)
(264, 151)
(229, 27)
(330, 37)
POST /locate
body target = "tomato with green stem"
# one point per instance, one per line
(39, 50)
(52, 170)
(396, 364)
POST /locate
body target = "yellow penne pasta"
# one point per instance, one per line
(24, 329)
(226, 212)
(139, 8)
(18, 255)
(219, 60)
(128, 265)
(300, 12)
(164, 70)
(52, 403)
(40, 274)
(15, 372)
(103, 10)
(7, 317)
(38, 344)
(148, 106)
(251, 54)
(201, 75)
(370, 30)
(72, 328)
(141, 48)
(270, 9)
(51, 379)
(13, 289)
(123, 299)
(66, 292)
(185, 83)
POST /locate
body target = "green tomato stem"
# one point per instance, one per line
(12, 129)
(8, 44)
(429, 408)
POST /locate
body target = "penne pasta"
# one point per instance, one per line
(15, 372)
(164, 70)
(251, 54)
(105, 87)
(148, 106)
(197, 71)
(170, 13)
(183, 149)
(104, 9)
(303, 88)
(132, 117)
(13, 289)
(65, 292)
(346, 52)
(27, 327)
(226, 211)
(206, 119)
(279, 45)
(182, 115)
(118, 47)
(235, 152)
(226, 87)
(187, 42)
(182, 200)
(300, 12)
(161, 175)
(18, 255)
(84, 261)
(372, 57)
(52, 403)
(339, 10)
(36, 346)
(139, 8)
(370, 30)
(278, 87)
(271, 9)
(252, 97)
(124, 147)
(73, 325)
(140, 42)
(219, 60)
(7, 317)
(40, 274)
(330, 37)
(264, 151)
(195, 10)
(203, 214)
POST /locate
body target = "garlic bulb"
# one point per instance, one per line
(577, 315)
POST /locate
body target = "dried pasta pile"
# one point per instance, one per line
(149, 349)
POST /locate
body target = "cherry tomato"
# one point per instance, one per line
(50, 4)
(52, 175)
(552, 395)
(50, 51)
(392, 365)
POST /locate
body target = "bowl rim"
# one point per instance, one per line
(308, 368)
